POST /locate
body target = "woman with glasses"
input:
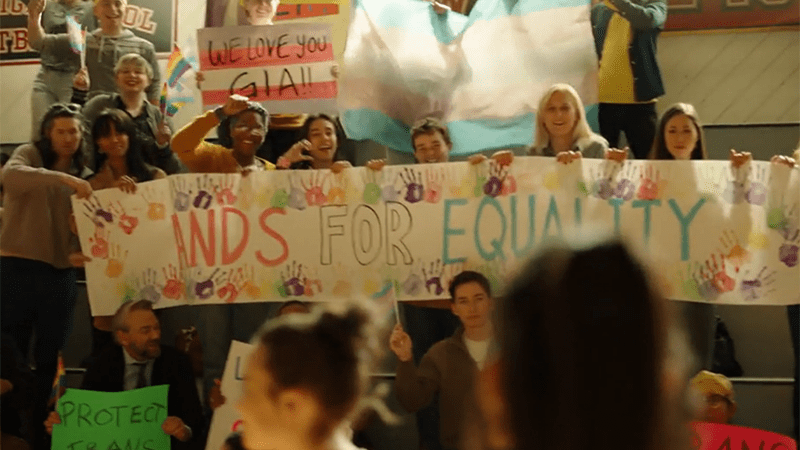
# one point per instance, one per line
(36, 245)
(241, 128)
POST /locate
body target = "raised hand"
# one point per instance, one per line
(400, 343)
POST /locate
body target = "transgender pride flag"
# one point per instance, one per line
(481, 74)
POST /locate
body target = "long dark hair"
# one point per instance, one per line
(45, 145)
(660, 151)
(122, 123)
(583, 339)
(306, 129)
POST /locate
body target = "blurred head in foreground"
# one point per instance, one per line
(716, 397)
(587, 360)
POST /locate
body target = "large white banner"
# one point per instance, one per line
(715, 234)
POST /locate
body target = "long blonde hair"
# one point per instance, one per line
(581, 130)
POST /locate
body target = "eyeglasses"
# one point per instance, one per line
(71, 107)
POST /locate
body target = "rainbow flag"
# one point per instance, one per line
(481, 74)
(58, 380)
(162, 103)
(177, 65)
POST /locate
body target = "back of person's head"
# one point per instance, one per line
(113, 119)
(716, 396)
(134, 60)
(660, 150)
(293, 307)
(43, 142)
(224, 128)
(326, 354)
(582, 130)
(583, 343)
(469, 276)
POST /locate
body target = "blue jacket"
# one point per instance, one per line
(647, 20)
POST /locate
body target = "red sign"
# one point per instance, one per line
(714, 436)
(721, 14)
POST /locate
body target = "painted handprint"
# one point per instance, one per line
(497, 174)
(650, 184)
(413, 184)
(433, 189)
(509, 185)
(100, 246)
(733, 251)
(174, 287)
(787, 252)
(292, 280)
(756, 287)
(413, 284)
(297, 198)
(389, 190)
(116, 261)
(722, 281)
(181, 193)
(343, 286)
(757, 191)
(156, 210)
(626, 187)
(95, 212)
(314, 189)
(734, 185)
(205, 289)
(463, 183)
(312, 283)
(690, 281)
(224, 192)
(151, 290)
(433, 277)
(228, 285)
(126, 222)
(602, 183)
(204, 195)
(372, 191)
(249, 282)
(707, 287)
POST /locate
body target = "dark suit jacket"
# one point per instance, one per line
(172, 368)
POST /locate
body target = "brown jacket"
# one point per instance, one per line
(449, 369)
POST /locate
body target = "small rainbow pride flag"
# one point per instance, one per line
(170, 107)
(177, 65)
(58, 380)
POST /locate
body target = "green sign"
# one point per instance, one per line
(129, 420)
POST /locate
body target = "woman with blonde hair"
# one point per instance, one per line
(562, 130)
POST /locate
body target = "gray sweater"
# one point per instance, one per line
(58, 55)
(36, 210)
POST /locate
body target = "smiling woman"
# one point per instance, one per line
(318, 146)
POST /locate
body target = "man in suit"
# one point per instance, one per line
(140, 361)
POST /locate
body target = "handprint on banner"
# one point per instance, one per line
(509, 185)
(787, 252)
(249, 286)
(297, 198)
(733, 184)
(116, 261)
(389, 190)
(433, 189)
(314, 189)
(497, 174)
(651, 186)
(126, 222)
(204, 289)
(707, 287)
(626, 186)
(413, 284)
(337, 194)
(372, 191)
(181, 193)
(758, 240)
(783, 218)
(100, 245)
(156, 210)
(312, 283)
(151, 290)
(228, 286)
(292, 281)
(690, 283)
(602, 179)
(733, 251)
(95, 212)
(174, 287)
(757, 191)
(758, 286)
(462, 183)
(433, 277)
(413, 185)
(204, 196)
(343, 286)
(224, 192)
(722, 281)
(129, 289)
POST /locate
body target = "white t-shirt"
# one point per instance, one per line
(478, 350)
